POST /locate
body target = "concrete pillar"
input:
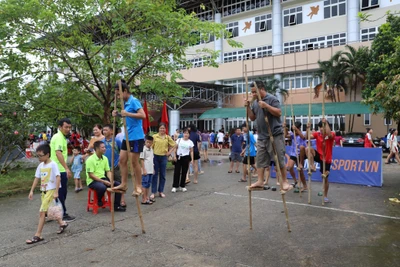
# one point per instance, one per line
(218, 42)
(277, 35)
(278, 93)
(353, 22)
(219, 121)
(174, 119)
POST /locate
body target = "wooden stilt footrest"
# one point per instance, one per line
(113, 190)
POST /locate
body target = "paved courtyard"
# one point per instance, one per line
(209, 226)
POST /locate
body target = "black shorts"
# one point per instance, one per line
(294, 159)
(318, 159)
(136, 146)
(220, 143)
(196, 155)
(252, 160)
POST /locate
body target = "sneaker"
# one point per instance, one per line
(173, 190)
(68, 218)
(184, 189)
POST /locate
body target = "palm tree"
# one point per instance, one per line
(335, 75)
(357, 61)
(272, 87)
(335, 79)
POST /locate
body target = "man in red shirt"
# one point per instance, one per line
(324, 151)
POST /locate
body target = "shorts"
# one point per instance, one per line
(220, 143)
(196, 155)
(265, 152)
(135, 145)
(317, 158)
(146, 180)
(204, 146)
(294, 159)
(236, 157)
(252, 160)
(77, 174)
(47, 198)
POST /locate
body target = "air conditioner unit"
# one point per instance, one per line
(292, 19)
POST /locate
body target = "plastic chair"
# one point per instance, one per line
(93, 199)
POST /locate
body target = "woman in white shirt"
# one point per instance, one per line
(182, 158)
(220, 137)
(394, 149)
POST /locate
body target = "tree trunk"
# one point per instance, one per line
(106, 114)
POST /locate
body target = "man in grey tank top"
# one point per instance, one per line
(269, 106)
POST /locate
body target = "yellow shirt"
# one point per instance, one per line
(161, 145)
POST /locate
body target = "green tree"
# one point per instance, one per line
(335, 75)
(64, 57)
(356, 62)
(382, 84)
(13, 134)
(272, 87)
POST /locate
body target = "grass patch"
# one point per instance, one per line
(20, 180)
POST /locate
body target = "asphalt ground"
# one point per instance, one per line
(209, 226)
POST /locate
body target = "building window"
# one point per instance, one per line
(388, 121)
(203, 15)
(369, 4)
(300, 80)
(368, 34)
(232, 7)
(246, 54)
(333, 8)
(263, 23)
(367, 119)
(233, 28)
(315, 43)
(292, 16)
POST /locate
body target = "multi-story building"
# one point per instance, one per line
(283, 39)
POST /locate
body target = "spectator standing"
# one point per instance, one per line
(236, 144)
(59, 154)
(163, 146)
(205, 141)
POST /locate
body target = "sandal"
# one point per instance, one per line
(237, 171)
(148, 202)
(123, 204)
(62, 228)
(34, 240)
(229, 171)
(162, 195)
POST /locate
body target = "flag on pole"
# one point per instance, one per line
(146, 121)
(164, 116)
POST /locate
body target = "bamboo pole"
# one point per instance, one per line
(309, 147)
(112, 168)
(129, 159)
(278, 167)
(295, 140)
(248, 149)
(323, 143)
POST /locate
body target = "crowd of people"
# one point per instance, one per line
(149, 155)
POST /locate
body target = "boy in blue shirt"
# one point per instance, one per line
(236, 148)
(249, 150)
(134, 114)
(77, 162)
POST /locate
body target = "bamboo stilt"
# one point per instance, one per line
(112, 168)
(278, 167)
(324, 143)
(295, 140)
(309, 147)
(129, 159)
(248, 150)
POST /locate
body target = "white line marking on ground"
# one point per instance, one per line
(312, 206)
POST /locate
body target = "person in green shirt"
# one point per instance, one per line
(59, 154)
(96, 168)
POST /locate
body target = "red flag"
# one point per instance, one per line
(146, 122)
(164, 116)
